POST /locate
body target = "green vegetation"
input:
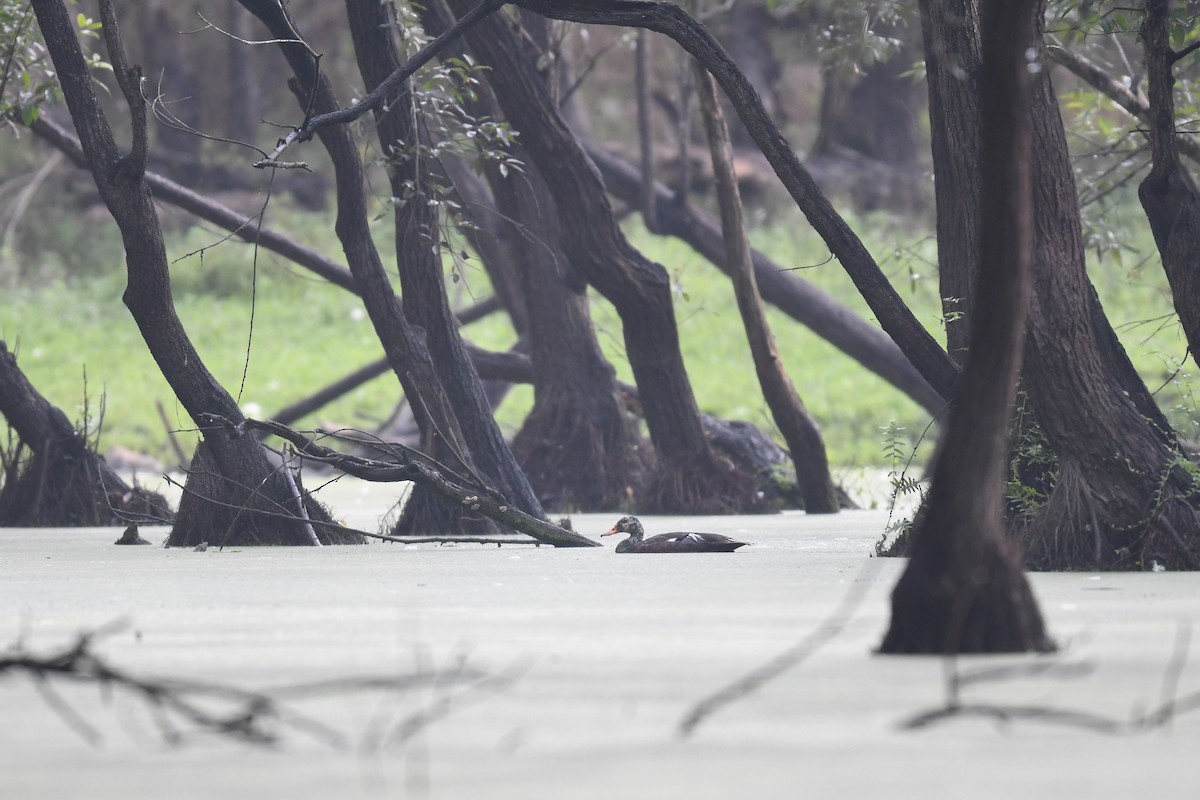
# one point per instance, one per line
(78, 344)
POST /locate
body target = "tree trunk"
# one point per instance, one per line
(579, 445)
(963, 590)
(794, 296)
(952, 53)
(799, 429)
(1122, 497)
(62, 481)
(418, 254)
(1168, 193)
(690, 477)
(894, 316)
(404, 344)
(249, 481)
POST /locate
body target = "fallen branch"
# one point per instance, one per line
(412, 465)
(1160, 717)
(182, 708)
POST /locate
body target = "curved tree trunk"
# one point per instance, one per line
(248, 483)
(404, 344)
(62, 481)
(794, 296)
(690, 477)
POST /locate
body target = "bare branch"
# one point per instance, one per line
(412, 465)
(377, 97)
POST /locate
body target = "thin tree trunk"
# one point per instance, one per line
(799, 429)
(952, 53)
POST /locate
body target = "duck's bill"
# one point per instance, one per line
(610, 531)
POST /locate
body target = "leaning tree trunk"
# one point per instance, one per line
(251, 501)
(894, 316)
(1168, 193)
(690, 477)
(802, 301)
(799, 429)
(963, 590)
(418, 253)
(54, 477)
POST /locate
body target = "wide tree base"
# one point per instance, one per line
(427, 513)
(1074, 529)
(56, 488)
(581, 458)
(216, 509)
(986, 606)
(706, 484)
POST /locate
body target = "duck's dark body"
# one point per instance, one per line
(670, 542)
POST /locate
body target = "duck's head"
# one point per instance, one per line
(628, 525)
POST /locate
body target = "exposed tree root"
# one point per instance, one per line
(1077, 529)
(582, 455)
(711, 485)
(66, 484)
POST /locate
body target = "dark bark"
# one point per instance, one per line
(406, 464)
(418, 255)
(925, 353)
(952, 53)
(54, 477)
(1168, 194)
(963, 590)
(249, 482)
(690, 477)
(1122, 499)
(952, 65)
(404, 343)
(579, 445)
(794, 296)
(799, 429)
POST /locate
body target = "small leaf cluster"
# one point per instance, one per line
(27, 78)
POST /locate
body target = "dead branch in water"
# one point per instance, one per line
(407, 464)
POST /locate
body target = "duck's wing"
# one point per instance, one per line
(689, 542)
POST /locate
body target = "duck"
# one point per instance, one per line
(678, 542)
